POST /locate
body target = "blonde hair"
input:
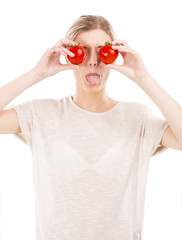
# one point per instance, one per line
(88, 23)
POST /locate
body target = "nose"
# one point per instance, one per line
(93, 59)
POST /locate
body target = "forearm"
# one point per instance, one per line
(171, 110)
(14, 88)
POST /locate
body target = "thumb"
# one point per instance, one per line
(69, 66)
(127, 71)
(119, 68)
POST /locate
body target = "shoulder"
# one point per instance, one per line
(134, 107)
(44, 102)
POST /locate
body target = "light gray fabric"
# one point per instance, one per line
(89, 169)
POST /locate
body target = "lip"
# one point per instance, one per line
(92, 74)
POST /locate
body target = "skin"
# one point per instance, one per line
(95, 99)
(88, 97)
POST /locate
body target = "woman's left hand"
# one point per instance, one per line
(133, 66)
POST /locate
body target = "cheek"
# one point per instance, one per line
(105, 74)
(77, 74)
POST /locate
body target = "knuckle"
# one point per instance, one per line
(54, 48)
(125, 42)
(60, 42)
(63, 48)
(136, 53)
(139, 55)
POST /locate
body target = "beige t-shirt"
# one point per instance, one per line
(89, 169)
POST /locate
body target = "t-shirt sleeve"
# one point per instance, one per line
(154, 128)
(25, 117)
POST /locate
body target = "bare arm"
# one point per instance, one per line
(48, 65)
(14, 88)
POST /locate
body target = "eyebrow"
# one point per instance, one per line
(84, 45)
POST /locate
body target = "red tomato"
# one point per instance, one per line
(80, 54)
(107, 54)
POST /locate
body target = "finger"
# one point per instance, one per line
(124, 49)
(122, 69)
(53, 50)
(65, 42)
(63, 53)
(120, 42)
(69, 66)
(114, 66)
(68, 52)
(61, 50)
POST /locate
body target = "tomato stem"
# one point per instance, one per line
(76, 45)
(108, 43)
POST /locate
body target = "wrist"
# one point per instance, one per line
(36, 75)
(144, 79)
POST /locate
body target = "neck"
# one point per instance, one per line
(96, 102)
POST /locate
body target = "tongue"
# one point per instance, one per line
(93, 80)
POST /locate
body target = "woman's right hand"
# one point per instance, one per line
(49, 64)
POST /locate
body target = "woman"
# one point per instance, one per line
(90, 152)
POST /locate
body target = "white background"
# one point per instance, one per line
(28, 28)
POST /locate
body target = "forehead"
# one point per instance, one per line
(93, 38)
(86, 44)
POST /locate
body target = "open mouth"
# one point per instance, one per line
(93, 78)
